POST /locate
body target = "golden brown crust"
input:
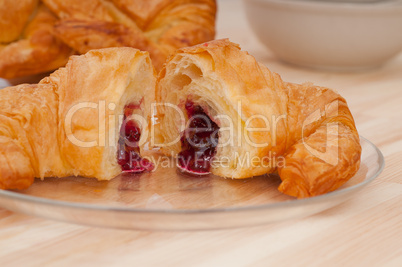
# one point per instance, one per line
(36, 51)
(156, 26)
(85, 35)
(324, 146)
(11, 26)
(28, 134)
(312, 138)
(68, 123)
(143, 12)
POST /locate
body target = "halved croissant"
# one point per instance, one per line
(69, 123)
(305, 132)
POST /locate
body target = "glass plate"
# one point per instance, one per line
(169, 200)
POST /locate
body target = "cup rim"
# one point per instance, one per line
(379, 6)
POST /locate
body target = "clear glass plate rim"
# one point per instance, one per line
(296, 202)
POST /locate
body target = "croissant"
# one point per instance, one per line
(228, 115)
(28, 30)
(27, 43)
(71, 123)
(157, 26)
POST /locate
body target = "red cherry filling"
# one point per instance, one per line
(198, 141)
(128, 151)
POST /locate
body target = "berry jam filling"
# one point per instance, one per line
(198, 141)
(128, 151)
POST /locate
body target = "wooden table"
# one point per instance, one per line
(364, 231)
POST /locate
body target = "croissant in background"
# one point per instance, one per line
(68, 123)
(27, 43)
(38, 36)
(237, 119)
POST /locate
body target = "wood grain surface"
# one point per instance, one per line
(364, 231)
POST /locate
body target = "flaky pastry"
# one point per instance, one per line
(28, 29)
(69, 124)
(237, 119)
(27, 43)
